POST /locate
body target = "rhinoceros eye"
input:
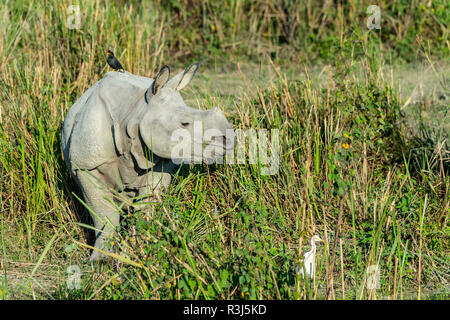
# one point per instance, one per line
(185, 124)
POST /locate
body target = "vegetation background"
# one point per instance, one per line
(363, 121)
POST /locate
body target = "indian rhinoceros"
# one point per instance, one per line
(118, 138)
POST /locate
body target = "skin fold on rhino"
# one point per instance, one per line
(118, 137)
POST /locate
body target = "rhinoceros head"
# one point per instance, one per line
(172, 130)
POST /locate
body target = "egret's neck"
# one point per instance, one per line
(313, 245)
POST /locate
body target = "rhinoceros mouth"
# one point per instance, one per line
(225, 143)
(225, 146)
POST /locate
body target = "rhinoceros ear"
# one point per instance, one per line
(160, 79)
(182, 79)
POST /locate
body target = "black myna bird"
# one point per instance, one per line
(113, 62)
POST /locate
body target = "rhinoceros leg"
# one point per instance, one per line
(105, 217)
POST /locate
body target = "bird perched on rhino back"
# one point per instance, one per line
(113, 62)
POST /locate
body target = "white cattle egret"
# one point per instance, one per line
(309, 259)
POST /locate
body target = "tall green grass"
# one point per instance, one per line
(346, 165)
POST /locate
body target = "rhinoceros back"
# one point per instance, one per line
(87, 140)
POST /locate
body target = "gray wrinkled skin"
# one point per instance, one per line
(117, 136)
